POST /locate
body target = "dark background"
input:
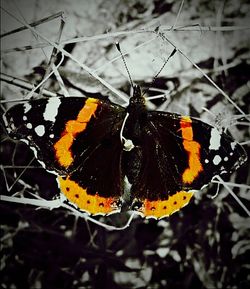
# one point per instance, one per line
(206, 244)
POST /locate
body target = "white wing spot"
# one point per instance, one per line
(24, 117)
(206, 161)
(40, 130)
(29, 125)
(215, 139)
(12, 126)
(51, 135)
(51, 109)
(27, 107)
(217, 160)
(233, 145)
(225, 159)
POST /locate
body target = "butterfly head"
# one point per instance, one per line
(137, 98)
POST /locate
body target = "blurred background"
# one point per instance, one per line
(206, 244)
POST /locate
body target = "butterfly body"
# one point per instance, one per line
(82, 140)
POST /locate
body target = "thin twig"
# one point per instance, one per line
(22, 167)
(33, 24)
(232, 184)
(50, 204)
(178, 14)
(54, 67)
(206, 28)
(121, 33)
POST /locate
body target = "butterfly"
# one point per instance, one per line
(106, 156)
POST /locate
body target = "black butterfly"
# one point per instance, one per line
(106, 155)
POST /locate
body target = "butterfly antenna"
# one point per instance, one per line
(125, 64)
(155, 77)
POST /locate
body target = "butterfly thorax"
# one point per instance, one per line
(137, 115)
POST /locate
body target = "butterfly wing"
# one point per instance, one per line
(79, 140)
(173, 156)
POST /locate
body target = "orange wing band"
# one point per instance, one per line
(93, 204)
(193, 149)
(72, 128)
(159, 209)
